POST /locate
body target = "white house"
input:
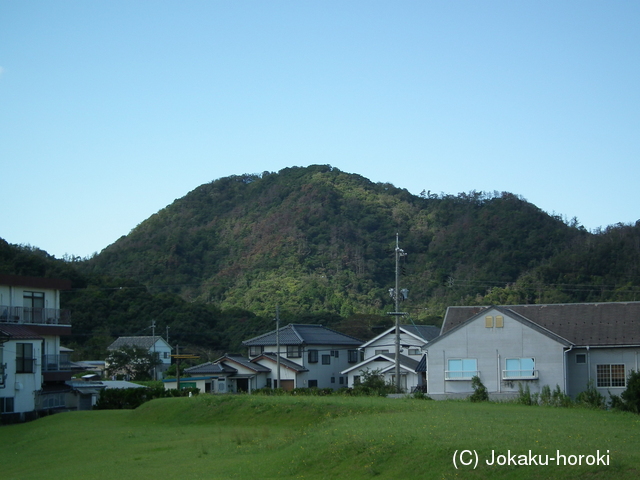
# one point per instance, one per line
(379, 354)
(33, 371)
(564, 345)
(312, 356)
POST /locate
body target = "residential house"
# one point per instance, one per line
(154, 345)
(310, 356)
(379, 354)
(564, 345)
(232, 373)
(33, 369)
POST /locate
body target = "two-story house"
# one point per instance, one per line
(311, 356)
(379, 355)
(154, 345)
(33, 371)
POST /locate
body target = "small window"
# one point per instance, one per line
(313, 383)
(461, 369)
(414, 351)
(610, 376)
(254, 351)
(520, 368)
(312, 356)
(326, 359)
(499, 321)
(356, 379)
(581, 358)
(335, 353)
(24, 358)
(378, 352)
(341, 380)
(6, 405)
(488, 321)
(294, 351)
(353, 356)
(333, 379)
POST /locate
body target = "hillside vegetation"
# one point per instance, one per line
(319, 243)
(250, 436)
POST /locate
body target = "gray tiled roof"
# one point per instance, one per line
(245, 362)
(210, 368)
(428, 332)
(143, 342)
(594, 324)
(296, 334)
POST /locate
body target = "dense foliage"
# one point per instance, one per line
(210, 268)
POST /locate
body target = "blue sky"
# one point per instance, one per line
(110, 110)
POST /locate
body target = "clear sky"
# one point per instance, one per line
(110, 110)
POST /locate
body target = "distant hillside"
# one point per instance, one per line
(317, 239)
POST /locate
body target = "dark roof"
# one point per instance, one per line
(405, 361)
(245, 362)
(211, 368)
(283, 361)
(422, 364)
(295, 334)
(18, 332)
(593, 324)
(427, 332)
(35, 282)
(143, 342)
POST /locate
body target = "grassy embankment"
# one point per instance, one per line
(255, 437)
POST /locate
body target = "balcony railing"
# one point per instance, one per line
(460, 374)
(56, 363)
(38, 316)
(519, 374)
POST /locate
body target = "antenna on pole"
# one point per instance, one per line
(398, 295)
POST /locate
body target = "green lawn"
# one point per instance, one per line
(257, 437)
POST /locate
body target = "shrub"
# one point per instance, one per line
(631, 396)
(480, 393)
(591, 397)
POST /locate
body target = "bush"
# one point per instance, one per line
(480, 393)
(631, 396)
(591, 397)
(129, 398)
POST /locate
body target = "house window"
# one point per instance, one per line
(326, 359)
(378, 352)
(24, 358)
(33, 303)
(312, 356)
(488, 321)
(581, 358)
(268, 383)
(294, 351)
(254, 351)
(610, 376)
(166, 355)
(461, 369)
(6, 405)
(335, 353)
(356, 379)
(520, 368)
(353, 356)
(1, 368)
(53, 400)
(341, 379)
(313, 383)
(499, 321)
(333, 379)
(414, 351)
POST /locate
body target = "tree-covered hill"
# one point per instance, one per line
(319, 243)
(317, 239)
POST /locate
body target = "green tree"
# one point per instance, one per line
(133, 362)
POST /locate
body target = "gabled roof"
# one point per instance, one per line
(143, 342)
(210, 368)
(296, 367)
(296, 334)
(406, 362)
(423, 333)
(593, 324)
(245, 362)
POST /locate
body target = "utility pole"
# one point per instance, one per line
(153, 333)
(278, 343)
(398, 295)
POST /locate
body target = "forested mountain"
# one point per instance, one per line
(320, 243)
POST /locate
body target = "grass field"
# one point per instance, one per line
(258, 437)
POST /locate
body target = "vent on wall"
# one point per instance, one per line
(489, 321)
